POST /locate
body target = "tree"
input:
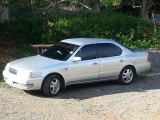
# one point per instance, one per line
(145, 8)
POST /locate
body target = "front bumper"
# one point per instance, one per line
(22, 83)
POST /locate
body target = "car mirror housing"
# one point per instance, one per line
(75, 59)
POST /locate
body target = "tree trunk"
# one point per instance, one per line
(93, 4)
(145, 7)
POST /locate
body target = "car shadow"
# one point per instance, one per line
(142, 83)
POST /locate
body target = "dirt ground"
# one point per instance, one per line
(102, 101)
(98, 101)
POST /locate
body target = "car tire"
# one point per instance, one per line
(52, 85)
(127, 75)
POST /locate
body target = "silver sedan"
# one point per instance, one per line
(73, 61)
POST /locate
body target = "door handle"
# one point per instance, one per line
(95, 63)
(121, 60)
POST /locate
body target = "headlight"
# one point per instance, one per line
(34, 74)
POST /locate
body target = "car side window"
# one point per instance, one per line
(87, 52)
(108, 50)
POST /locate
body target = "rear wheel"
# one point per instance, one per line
(127, 75)
(52, 85)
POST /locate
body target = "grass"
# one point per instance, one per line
(2, 84)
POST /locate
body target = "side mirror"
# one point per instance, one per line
(75, 59)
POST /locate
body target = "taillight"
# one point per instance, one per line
(148, 58)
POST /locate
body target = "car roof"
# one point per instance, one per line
(83, 41)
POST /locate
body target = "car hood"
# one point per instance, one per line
(33, 62)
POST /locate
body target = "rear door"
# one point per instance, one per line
(110, 60)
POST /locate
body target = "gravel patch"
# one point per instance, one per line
(102, 101)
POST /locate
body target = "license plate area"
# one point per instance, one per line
(15, 83)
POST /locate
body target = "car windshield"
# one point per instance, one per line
(60, 51)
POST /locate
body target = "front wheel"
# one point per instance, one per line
(51, 85)
(127, 75)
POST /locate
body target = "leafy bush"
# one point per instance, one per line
(1, 69)
(127, 30)
(25, 30)
(24, 50)
(111, 2)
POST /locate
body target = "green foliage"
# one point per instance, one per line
(127, 30)
(24, 50)
(1, 69)
(111, 2)
(25, 30)
(20, 11)
(119, 2)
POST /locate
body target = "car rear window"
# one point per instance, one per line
(108, 50)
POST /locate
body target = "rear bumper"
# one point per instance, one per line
(143, 68)
(24, 83)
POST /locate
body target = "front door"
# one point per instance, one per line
(88, 68)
